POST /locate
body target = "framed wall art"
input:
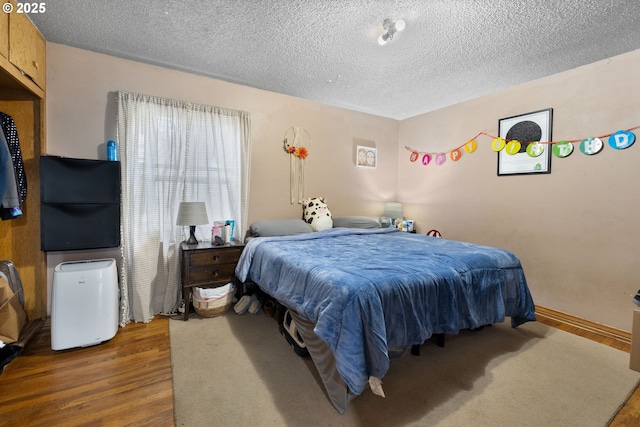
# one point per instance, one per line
(522, 152)
(367, 157)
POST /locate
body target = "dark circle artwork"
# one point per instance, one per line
(525, 132)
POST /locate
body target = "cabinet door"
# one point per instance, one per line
(4, 34)
(27, 48)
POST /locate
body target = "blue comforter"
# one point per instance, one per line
(371, 290)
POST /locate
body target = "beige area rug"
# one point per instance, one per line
(239, 371)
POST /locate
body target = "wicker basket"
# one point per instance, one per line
(213, 308)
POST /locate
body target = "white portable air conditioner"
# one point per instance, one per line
(84, 303)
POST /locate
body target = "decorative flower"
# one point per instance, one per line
(300, 152)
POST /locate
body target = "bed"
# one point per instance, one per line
(357, 294)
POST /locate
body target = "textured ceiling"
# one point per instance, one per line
(326, 50)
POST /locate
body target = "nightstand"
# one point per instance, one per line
(206, 265)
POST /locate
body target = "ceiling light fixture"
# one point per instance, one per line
(390, 28)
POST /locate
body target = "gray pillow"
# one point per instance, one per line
(279, 227)
(356, 222)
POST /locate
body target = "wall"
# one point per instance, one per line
(81, 114)
(575, 230)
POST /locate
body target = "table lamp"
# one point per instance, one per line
(393, 210)
(192, 214)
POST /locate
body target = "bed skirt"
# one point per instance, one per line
(325, 363)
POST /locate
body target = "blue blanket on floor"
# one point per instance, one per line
(371, 290)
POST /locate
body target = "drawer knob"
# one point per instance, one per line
(216, 257)
(215, 273)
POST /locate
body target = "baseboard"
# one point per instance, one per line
(580, 324)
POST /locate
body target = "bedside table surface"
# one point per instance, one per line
(208, 245)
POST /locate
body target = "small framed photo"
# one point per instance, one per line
(367, 157)
(523, 153)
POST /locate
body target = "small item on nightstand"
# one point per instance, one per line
(232, 223)
(217, 241)
(227, 233)
(216, 231)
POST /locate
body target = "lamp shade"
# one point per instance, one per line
(192, 213)
(393, 210)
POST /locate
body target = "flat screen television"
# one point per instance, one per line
(79, 203)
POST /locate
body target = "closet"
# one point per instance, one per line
(22, 96)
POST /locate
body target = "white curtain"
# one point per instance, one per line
(173, 151)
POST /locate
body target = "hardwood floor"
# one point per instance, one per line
(127, 381)
(124, 382)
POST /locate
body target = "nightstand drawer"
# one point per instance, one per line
(212, 273)
(213, 257)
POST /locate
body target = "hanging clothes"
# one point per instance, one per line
(5, 167)
(16, 189)
(10, 204)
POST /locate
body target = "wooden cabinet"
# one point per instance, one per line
(205, 265)
(24, 101)
(4, 34)
(27, 48)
